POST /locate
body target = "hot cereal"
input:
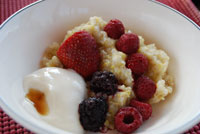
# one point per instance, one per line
(123, 74)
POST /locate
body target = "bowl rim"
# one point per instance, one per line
(35, 128)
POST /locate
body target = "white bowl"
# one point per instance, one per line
(26, 34)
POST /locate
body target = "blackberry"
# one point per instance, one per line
(104, 82)
(93, 113)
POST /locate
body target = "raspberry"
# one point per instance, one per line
(128, 43)
(144, 88)
(93, 113)
(114, 29)
(80, 52)
(145, 109)
(104, 82)
(127, 120)
(138, 63)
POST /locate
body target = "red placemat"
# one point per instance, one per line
(186, 7)
(8, 7)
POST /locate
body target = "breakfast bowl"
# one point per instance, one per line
(26, 34)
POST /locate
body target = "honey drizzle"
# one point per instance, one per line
(39, 100)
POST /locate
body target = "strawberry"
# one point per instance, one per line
(80, 52)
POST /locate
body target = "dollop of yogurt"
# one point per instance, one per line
(64, 89)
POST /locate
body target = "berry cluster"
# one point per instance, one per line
(80, 52)
(128, 119)
(137, 62)
(93, 110)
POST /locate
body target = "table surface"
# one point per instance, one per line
(8, 7)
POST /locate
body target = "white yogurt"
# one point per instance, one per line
(64, 89)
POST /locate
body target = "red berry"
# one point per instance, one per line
(80, 52)
(127, 120)
(128, 43)
(145, 109)
(114, 29)
(138, 63)
(144, 88)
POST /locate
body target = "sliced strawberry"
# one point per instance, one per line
(80, 52)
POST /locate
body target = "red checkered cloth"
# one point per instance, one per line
(186, 7)
(8, 7)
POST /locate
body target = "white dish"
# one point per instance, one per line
(25, 35)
